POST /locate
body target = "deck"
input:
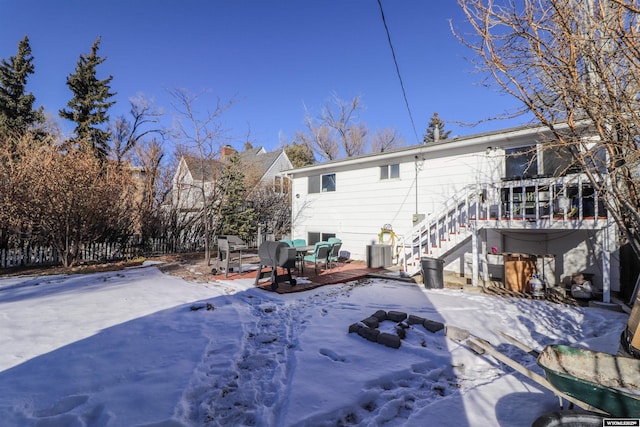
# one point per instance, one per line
(342, 273)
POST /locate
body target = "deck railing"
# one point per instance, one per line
(568, 202)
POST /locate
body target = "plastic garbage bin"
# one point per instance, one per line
(432, 276)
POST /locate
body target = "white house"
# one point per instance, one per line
(195, 176)
(467, 200)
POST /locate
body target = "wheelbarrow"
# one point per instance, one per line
(603, 384)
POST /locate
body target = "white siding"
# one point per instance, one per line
(281, 164)
(363, 203)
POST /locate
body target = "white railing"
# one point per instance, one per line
(568, 202)
(440, 231)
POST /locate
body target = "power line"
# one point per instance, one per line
(395, 61)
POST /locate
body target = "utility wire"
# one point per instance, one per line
(395, 61)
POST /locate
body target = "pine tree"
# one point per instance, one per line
(17, 115)
(435, 130)
(299, 154)
(90, 103)
(237, 217)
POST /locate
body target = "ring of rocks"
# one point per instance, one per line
(368, 328)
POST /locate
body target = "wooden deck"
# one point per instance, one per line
(344, 272)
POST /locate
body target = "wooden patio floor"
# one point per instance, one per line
(344, 272)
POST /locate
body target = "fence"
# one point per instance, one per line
(32, 256)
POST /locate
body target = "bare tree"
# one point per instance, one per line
(201, 134)
(341, 116)
(575, 65)
(319, 139)
(152, 189)
(125, 133)
(67, 198)
(384, 140)
(337, 131)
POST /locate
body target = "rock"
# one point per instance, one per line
(396, 316)
(432, 326)
(355, 327)
(369, 334)
(371, 322)
(415, 320)
(389, 340)
(381, 315)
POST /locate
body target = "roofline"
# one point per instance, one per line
(486, 138)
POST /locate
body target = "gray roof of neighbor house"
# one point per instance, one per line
(201, 169)
(259, 160)
(256, 160)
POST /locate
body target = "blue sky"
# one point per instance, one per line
(273, 57)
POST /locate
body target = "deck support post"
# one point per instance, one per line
(474, 253)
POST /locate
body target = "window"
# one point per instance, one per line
(314, 184)
(322, 183)
(281, 184)
(390, 171)
(315, 237)
(329, 182)
(521, 162)
(558, 161)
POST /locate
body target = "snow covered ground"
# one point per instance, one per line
(141, 348)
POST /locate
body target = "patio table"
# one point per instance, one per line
(301, 251)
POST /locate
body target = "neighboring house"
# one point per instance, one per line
(193, 174)
(462, 199)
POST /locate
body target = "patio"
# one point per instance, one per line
(342, 273)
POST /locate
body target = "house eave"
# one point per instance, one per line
(503, 138)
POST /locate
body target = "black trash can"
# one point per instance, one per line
(432, 276)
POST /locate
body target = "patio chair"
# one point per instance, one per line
(299, 242)
(288, 242)
(334, 254)
(333, 240)
(320, 255)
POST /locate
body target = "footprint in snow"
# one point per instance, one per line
(332, 355)
(64, 405)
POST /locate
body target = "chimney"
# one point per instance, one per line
(227, 150)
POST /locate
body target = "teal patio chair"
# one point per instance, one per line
(334, 254)
(320, 255)
(299, 242)
(288, 242)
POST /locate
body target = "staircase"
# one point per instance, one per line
(441, 231)
(562, 203)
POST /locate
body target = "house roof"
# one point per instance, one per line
(201, 169)
(257, 162)
(504, 138)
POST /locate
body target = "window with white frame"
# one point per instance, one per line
(314, 237)
(390, 171)
(322, 183)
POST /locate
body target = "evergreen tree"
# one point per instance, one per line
(90, 102)
(237, 216)
(299, 154)
(17, 115)
(435, 130)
